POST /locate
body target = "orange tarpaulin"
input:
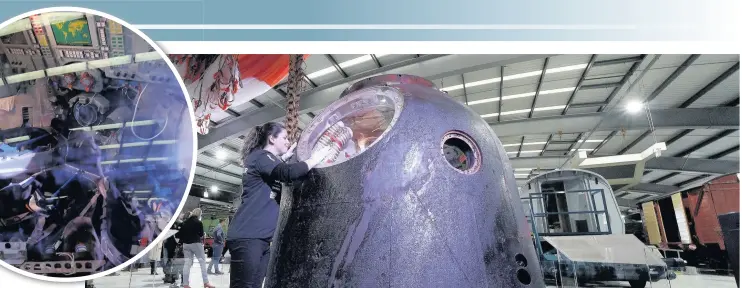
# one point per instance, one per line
(218, 85)
(270, 69)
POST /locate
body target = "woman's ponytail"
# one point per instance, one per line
(257, 138)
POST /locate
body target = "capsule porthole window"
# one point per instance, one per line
(461, 152)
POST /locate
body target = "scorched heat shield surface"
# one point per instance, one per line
(428, 199)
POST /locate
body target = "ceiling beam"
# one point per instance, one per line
(619, 61)
(657, 91)
(463, 86)
(376, 60)
(602, 143)
(691, 180)
(651, 188)
(237, 126)
(601, 86)
(431, 67)
(711, 85)
(538, 88)
(309, 81)
(725, 152)
(520, 147)
(629, 89)
(232, 112)
(217, 170)
(694, 118)
(623, 202)
(336, 65)
(673, 164)
(223, 186)
(692, 165)
(548, 141)
(623, 81)
(499, 103)
(579, 83)
(688, 151)
(636, 141)
(708, 141)
(257, 103)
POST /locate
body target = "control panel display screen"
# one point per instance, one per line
(74, 32)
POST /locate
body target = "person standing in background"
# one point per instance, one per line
(218, 246)
(154, 257)
(191, 235)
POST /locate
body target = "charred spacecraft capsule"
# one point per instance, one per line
(421, 195)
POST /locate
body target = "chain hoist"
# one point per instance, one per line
(295, 86)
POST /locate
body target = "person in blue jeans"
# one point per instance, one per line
(251, 230)
(217, 247)
(191, 235)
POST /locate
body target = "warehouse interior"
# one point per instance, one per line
(660, 131)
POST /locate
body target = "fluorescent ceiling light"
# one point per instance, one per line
(525, 152)
(346, 64)
(521, 95)
(583, 149)
(544, 143)
(558, 107)
(321, 73)
(566, 68)
(355, 61)
(524, 144)
(539, 151)
(516, 76)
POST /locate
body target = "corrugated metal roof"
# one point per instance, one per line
(484, 84)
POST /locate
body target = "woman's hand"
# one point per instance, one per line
(319, 156)
(289, 152)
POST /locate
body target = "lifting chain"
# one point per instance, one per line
(295, 86)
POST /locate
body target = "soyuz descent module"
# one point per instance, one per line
(421, 194)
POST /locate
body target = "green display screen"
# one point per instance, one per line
(72, 33)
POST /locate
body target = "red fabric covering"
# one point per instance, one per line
(270, 69)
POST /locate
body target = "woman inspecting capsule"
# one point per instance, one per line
(251, 232)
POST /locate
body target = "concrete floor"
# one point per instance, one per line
(142, 279)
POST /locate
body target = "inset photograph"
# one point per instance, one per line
(96, 144)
